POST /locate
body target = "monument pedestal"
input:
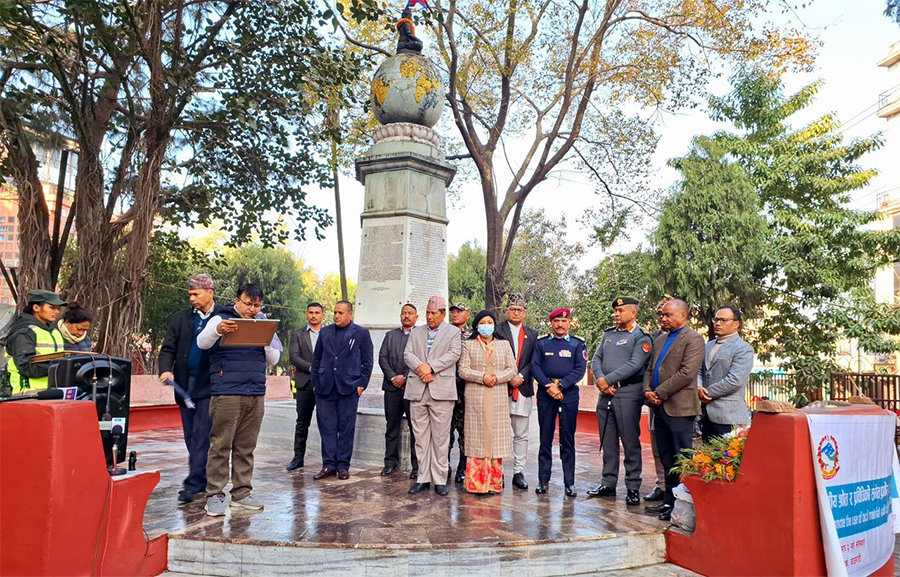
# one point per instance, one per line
(403, 255)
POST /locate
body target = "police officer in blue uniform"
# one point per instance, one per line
(558, 364)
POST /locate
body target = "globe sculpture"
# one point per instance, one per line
(407, 88)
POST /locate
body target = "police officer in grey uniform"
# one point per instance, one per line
(618, 367)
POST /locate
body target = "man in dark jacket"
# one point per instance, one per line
(237, 380)
(303, 344)
(342, 366)
(33, 333)
(182, 361)
(395, 371)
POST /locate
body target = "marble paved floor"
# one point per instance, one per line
(369, 510)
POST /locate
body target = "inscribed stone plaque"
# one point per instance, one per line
(382, 253)
(427, 260)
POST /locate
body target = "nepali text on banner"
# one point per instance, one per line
(853, 459)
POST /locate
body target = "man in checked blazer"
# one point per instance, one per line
(726, 370)
(670, 386)
(431, 354)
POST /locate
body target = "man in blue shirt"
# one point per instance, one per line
(670, 387)
(558, 363)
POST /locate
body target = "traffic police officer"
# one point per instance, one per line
(618, 367)
(33, 333)
(558, 364)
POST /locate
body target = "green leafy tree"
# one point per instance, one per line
(465, 275)
(629, 273)
(181, 109)
(819, 255)
(710, 238)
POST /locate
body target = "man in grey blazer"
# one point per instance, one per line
(670, 387)
(303, 344)
(726, 370)
(431, 354)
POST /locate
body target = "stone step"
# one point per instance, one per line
(571, 557)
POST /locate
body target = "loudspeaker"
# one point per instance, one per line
(106, 381)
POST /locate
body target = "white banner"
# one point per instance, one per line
(855, 464)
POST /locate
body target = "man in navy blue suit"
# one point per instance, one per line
(341, 367)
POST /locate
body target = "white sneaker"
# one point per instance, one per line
(215, 505)
(248, 502)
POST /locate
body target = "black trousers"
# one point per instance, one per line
(306, 402)
(709, 429)
(672, 435)
(624, 423)
(548, 411)
(458, 427)
(196, 425)
(395, 406)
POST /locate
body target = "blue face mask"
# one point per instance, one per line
(485, 330)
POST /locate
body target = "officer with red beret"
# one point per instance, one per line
(558, 364)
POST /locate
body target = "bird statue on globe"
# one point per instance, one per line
(407, 87)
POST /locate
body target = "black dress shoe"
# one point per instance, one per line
(414, 474)
(460, 477)
(666, 516)
(419, 487)
(324, 473)
(570, 491)
(295, 464)
(442, 490)
(343, 474)
(601, 491)
(656, 494)
(388, 469)
(540, 489)
(661, 508)
(633, 497)
(519, 481)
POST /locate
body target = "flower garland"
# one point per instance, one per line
(412, 26)
(720, 458)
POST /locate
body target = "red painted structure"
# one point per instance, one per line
(767, 521)
(587, 423)
(60, 511)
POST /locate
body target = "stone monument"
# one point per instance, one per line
(403, 253)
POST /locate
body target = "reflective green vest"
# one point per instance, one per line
(48, 341)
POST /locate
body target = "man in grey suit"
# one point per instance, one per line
(726, 371)
(670, 386)
(431, 354)
(395, 371)
(303, 344)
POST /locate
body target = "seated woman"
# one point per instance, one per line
(487, 363)
(74, 326)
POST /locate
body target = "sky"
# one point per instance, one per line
(855, 36)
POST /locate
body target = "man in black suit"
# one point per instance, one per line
(303, 344)
(395, 371)
(341, 368)
(521, 387)
(182, 361)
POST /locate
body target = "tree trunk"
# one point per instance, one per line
(495, 273)
(34, 218)
(337, 218)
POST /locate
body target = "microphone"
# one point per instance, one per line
(43, 395)
(116, 434)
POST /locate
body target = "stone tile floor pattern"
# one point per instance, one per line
(369, 510)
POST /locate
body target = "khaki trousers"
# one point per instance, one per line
(431, 424)
(236, 421)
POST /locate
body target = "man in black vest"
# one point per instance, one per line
(182, 361)
(395, 371)
(303, 344)
(237, 377)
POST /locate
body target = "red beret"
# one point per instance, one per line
(564, 313)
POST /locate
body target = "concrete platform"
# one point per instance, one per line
(370, 525)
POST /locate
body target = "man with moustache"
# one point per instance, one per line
(303, 345)
(459, 318)
(395, 371)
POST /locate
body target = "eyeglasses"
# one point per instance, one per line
(721, 320)
(257, 306)
(515, 310)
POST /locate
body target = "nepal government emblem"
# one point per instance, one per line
(827, 455)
